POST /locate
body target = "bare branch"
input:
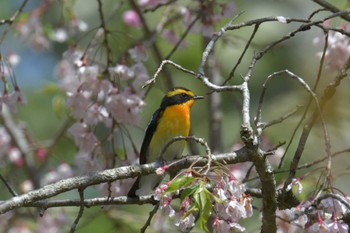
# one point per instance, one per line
(11, 20)
(111, 175)
(332, 8)
(264, 125)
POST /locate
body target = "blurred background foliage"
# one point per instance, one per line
(45, 112)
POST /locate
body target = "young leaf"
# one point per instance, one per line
(178, 183)
(188, 191)
(203, 203)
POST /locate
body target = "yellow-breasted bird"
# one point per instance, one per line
(171, 119)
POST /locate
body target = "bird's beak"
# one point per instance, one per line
(198, 97)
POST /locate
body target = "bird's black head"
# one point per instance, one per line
(178, 95)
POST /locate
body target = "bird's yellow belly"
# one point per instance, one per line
(174, 122)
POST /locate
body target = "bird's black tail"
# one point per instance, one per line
(135, 186)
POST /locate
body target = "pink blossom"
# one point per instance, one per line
(123, 72)
(228, 9)
(337, 227)
(338, 50)
(185, 223)
(221, 226)
(50, 177)
(79, 103)
(53, 221)
(83, 137)
(138, 53)
(63, 171)
(131, 18)
(182, 219)
(221, 193)
(12, 99)
(171, 37)
(296, 181)
(97, 113)
(334, 206)
(162, 170)
(40, 153)
(235, 211)
(125, 107)
(318, 226)
(68, 70)
(59, 35)
(80, 25)
(20, 228)
(14, 59)
(296, 217)
(26, 186)
(31, 31)
(240, 170)
(246, 201)
(169, 211)
(158, 194)
(234, 188)
(85, 162)
(16, 157)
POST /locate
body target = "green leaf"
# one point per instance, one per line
(205, 208)
(178, 183)
(188, 191)
(202, 199)
(120, 153)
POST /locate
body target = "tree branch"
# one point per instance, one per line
(111, 175)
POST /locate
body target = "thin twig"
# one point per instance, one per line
(192, 138)
(151, 214)
(11, 20)
(8, 186)
(256, 27)
(160, 68)
(309, 101)
(183, 36)
(105, 37)
(319, 112)
(282, 118)
(81, 211)
(331, 8)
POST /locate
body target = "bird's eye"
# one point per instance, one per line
(183, 95)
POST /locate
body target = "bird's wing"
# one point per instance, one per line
(151, 129)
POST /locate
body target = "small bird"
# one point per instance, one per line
(171, 119)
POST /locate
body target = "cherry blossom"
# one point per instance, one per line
(131, 18)
(338, 50)
(83, 137)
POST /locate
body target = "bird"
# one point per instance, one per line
(170, 120)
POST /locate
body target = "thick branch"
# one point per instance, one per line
(111, 175)
(268, 191)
